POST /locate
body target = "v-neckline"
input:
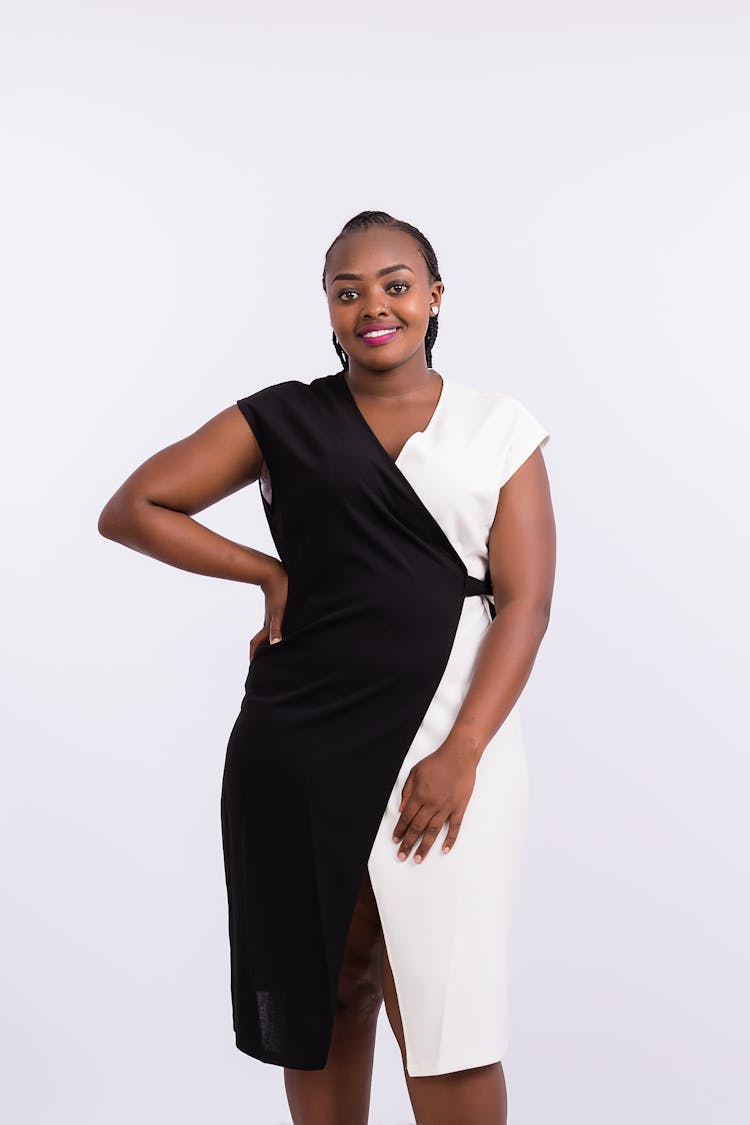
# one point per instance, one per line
(417, 433)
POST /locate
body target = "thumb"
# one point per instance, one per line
(275, 631)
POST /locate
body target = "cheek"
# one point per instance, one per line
(415, 312)
(339, 326)
(340, 314)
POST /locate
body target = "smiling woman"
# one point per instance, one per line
(402, 499)
(403, 288)
(374, 793)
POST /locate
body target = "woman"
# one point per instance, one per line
(416, 542)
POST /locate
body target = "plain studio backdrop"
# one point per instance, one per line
(172, 176)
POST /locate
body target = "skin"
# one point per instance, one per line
(153, 512)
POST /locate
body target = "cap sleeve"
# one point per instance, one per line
(253, 413)
(524, 433)
(269, 413)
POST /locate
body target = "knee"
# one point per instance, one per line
(360, 993)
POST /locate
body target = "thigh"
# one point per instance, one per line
(360, 980)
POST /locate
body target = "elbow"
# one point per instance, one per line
(533, 613)
(107, 524)
(538, 613)
(117, 519)
(544, 612)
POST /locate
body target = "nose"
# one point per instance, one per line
(375, 304)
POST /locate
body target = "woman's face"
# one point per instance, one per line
(367, 298)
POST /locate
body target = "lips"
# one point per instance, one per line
(382, 336)
(377, 328)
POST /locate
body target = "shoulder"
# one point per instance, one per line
(290, 391)
(498, 427)
(282, 391)
(275, 402)
(498, 408)
(484, 396)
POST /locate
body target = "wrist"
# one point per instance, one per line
(272, 571)
(467, 742)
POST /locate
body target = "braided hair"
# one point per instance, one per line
(363, 221)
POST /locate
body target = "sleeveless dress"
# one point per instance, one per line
(388, 600)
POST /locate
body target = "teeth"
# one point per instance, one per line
(380, 332)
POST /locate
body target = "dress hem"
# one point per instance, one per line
(468, 1062)
(274, 1060)
(420, 1070)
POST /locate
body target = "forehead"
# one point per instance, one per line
(365, 252)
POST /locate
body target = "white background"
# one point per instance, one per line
(172, 176)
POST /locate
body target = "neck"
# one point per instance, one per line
(405, 378)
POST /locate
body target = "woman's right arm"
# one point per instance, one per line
(152, 510)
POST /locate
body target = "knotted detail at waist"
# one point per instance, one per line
(480, 586)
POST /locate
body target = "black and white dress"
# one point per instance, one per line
(388, 601)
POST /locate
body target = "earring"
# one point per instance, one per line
(434, 310)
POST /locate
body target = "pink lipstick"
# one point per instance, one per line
(382, 336)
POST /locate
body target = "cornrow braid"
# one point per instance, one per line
(363, 221)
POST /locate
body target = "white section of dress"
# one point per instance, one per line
(446, 921)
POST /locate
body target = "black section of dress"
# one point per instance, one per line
(374, 599)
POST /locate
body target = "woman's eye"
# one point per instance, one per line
(400, 285)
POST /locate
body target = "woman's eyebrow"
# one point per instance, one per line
(379, 273)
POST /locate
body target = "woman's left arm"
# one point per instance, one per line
(522, 548)
(522, 551)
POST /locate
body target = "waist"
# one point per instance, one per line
(480, 586)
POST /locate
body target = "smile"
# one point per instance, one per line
(379, 335)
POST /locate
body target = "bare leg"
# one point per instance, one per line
(340, 1093)
(463, 1097)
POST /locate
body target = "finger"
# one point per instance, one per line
(413, 832)
(275, 629)
(408, 811)
(255, 641)
(405, 794)
(428, 836)
(455, 825)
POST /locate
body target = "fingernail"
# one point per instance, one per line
(417, 859)
(275, 640)
(402, 855)
(446, 849)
